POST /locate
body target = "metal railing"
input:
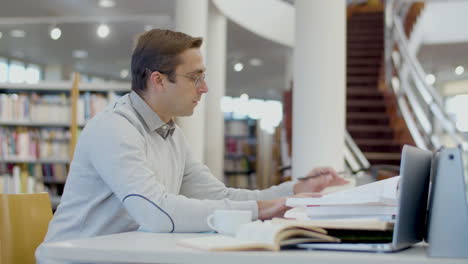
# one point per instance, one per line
(354, 158)
(420, 104)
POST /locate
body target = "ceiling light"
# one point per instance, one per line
(459, 70)
(55, 33)
(430, 79)
(124, 73)
(17, 33)
(106, 3)
(80, 54)
(103, 31)
(256, 62)
(238, 67)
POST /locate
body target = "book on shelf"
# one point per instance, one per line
(49, 109)
(240, 153)
(89, 104)
(237, 165)
(239, 180)
(277, 233)
(237, 128)
(32, 144)
(20, 181)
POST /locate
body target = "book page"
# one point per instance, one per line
(259, 231)
(254, 235)
(298, 213)
(382, 192)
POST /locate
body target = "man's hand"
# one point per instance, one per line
(277, 207)
(320, 179)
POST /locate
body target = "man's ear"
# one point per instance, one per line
(156, 81)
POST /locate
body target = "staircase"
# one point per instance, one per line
(367, 120)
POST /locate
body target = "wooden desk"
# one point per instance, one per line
(139, 247)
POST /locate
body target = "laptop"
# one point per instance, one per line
(410, 220)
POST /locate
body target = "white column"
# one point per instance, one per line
(319, 85)
(191, 18)
(216, 78)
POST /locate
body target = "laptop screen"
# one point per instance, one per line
(413, 187)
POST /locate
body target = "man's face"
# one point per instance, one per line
(184, 94)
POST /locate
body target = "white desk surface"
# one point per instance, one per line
(139, 247)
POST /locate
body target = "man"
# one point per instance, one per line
(132, 168)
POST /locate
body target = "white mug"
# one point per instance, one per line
(228, 221)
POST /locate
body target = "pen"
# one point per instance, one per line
(318, 175)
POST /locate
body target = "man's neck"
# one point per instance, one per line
(155, 106)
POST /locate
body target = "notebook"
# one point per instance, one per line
(409, 225)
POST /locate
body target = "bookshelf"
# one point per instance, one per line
(38, 133)
(240, 158)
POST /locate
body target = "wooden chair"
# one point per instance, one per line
(24, 219)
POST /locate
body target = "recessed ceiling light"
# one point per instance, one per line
(17, 33)
(55, 33)
(459, 70)
(430, 79)
(256, 62)
(80, 54)
(124, 73)
(106, 3)
(103, 31)
(239, 66)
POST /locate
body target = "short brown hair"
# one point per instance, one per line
(158, 50)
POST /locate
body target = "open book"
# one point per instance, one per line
(258, 235)
(276, 233)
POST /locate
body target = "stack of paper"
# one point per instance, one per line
(378, 199)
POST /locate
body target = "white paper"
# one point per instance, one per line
(382, 192)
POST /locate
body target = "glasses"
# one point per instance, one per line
(198, 80)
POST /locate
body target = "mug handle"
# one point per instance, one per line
(210, 223)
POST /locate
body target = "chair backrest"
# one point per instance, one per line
(24, 219)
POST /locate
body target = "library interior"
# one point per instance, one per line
(298, 92)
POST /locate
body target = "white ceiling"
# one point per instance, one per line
(107, 57)
(444, 40)
(445, 22)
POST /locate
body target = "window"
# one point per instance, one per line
(33, 74)
(3, 70)
(270, 113)
(17, 72)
